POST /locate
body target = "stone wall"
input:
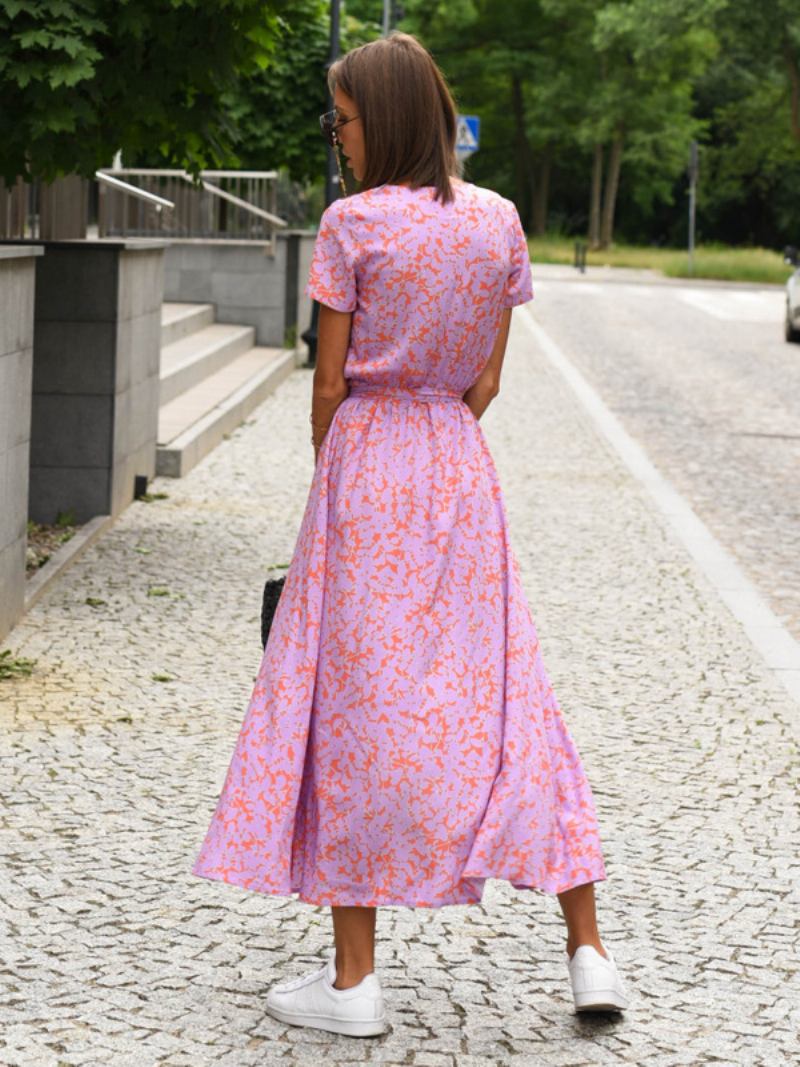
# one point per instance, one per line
(17, 285)
(245, 284)
(97, 343)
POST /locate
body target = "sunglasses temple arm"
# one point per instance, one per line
(342, 185)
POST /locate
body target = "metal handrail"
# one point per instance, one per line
(166, 172)
(216, 191)
(203, 210)
(133, 190)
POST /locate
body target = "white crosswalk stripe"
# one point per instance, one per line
(736, 305)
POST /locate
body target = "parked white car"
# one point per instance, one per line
(791, 329)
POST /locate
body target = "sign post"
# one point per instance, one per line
(693, 170)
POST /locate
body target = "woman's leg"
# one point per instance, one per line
(578, 907)
(354, 933)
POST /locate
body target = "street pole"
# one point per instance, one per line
(693, 168)
(332, 189)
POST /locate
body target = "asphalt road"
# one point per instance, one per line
(699, 374)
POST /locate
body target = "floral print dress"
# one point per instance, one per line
(403, 742)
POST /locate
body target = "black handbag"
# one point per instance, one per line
(272, 593)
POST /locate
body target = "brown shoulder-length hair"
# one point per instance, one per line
(407, 113)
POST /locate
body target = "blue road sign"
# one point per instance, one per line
(467, 135)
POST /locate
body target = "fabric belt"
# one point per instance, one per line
(374, 389)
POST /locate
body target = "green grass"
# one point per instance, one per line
(760, 265)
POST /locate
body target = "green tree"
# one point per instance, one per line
(555, 79)
(751, 99)
(491, 54)
(276, 110)
(642, 59)
(80, 79)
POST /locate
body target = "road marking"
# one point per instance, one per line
(736, 305)
(778, 648)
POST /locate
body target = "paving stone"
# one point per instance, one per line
(112, 953)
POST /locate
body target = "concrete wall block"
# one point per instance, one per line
(141, 281)
(144, 414)
(122, 443)
(77, 284)
(172, 277)
(136, 418)
(14, 466)
(12, 584)
(247, 259)
(192, 287)
(74, 357)
(17, 278)
(268, 324)
(71, 431)
(247, 290)
(86, 491)
(138, 349)
(16, 374)
(189, 257)
(142, 461)
(244, 285)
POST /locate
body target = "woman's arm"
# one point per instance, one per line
(487, 385)
(330, 385)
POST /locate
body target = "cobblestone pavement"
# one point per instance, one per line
(701, 376)
(112, 953)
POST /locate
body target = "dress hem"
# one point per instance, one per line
(305, 898)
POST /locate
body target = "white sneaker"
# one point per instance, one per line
(596, 982)
(312, 1001)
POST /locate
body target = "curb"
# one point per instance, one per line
(777, 649)
(64, 557)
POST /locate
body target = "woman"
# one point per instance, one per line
(403, 742)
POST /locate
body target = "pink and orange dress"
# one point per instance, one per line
(403, 742)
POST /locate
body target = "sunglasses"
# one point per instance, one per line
(329, 126)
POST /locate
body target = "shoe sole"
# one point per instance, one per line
(600, 1000)
(351, 1027)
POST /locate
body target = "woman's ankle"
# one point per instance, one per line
(346, 979)
(595, 942)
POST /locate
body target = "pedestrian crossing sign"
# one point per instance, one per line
(467, 135)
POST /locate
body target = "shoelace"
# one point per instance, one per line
(295, 983)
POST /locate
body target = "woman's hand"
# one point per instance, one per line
(323, 408)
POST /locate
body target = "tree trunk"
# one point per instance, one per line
(541, 192)
(793, 69)
(610, 191)
(594, 200)
(523, 165)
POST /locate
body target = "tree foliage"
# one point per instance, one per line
(276, 111)
(588, 109)
(80, 79)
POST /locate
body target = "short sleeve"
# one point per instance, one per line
(332, 278)
(519, 283)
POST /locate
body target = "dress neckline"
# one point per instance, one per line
(418, 189)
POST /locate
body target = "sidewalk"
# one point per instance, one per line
(115, 954)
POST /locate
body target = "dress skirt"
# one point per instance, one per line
(403, 742)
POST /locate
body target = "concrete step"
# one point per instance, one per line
(179, 319)
(195, 422)
(188, 361)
